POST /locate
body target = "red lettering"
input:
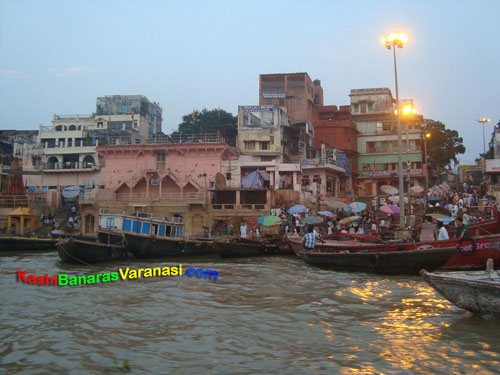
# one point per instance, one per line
(31, 279)
(47, 278)
(40, 280)
(21, 276)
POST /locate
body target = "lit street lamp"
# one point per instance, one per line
(393, 41)
(483, 121)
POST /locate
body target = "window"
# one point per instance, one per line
(110, 222)
(264, 145)
(363, 107)
(355, 108)
(249, 145)
(268, 102)
(267, 158)
(70, 142)
(36, 161)
(282, 102)
(370, 107)
(61, 142)
(160, 160)
(78, 142)
(228, 176)
(100, 124)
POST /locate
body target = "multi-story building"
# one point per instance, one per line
(373, 112)
(294, 91)
(129, 112)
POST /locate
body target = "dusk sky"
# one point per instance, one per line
(58, 56)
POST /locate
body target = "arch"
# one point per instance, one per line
(141, 186)
(52, 162)
(122, 192)
(168, 185)
(72, 127)
(88, 161)
(59, 128)
(189, 188)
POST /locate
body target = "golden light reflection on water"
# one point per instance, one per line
(366, 370)
(369, 291)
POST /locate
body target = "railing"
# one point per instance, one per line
(174, 139)
(393, 172)
(110, 196)
(69, 165)
(391, 149)
(14, 201)
(238, 206)
(320, 161)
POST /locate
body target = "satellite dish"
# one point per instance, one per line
(220, 181)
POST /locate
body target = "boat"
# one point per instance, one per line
(58, 235)
(26, 243)
(153, 246)
(111, 236)
(243, 247)
(474, 291)
(75, 251)
(473, 253)
(481, 228)
(391, 263)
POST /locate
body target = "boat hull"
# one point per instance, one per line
(74, 236)
(239, 248)
(147, 246)
(111, 237)
(86, 252)
(389, 263)
(26, 244)
(468, 291)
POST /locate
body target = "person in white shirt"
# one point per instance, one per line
(243, 230)
(443, 233)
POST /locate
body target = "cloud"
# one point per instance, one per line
(74, 70)
(12, 73)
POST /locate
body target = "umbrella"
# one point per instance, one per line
(298, 208)
(390, 209)
(325, 213)
(417, 189)
(332, 203)
(349, 219)
(355, 207)
(388, 189)
(311, 220)
(437, 216)
(446, 220)
(268, 220)
(396, 199)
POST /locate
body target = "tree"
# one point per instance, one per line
(206, 121)
(443, 146)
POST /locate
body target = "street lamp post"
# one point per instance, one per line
(393, 41)
(483, 121)
(426, 135)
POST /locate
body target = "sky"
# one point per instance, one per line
(59, 56)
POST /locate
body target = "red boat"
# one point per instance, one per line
(473, 254)
(482, 228)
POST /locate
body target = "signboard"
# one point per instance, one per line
(258, 108)
(391, 173)
(274, 95)
(492, 165)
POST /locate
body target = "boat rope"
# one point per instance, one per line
(71, 256)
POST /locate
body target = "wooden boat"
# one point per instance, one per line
(481, 228)
(473, 252)
(109, 236)
(59, 235)
(243, 247)
(75, 251)
(474, 291)
(393, 263)
(26, 243)
(151, 246)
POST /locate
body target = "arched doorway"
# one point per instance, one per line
(89, 224)
(52, 162)
(123, 192)
(197, 225)
(88, 161)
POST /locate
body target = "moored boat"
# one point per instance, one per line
(474, 291)
(242, 247)
(58, 235)
(109, 236)
(473, 254)
(26, 243)
(75, 251)
(151, 246)
(393, 263)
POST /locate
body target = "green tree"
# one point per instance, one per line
(206, 121)
(443, 146)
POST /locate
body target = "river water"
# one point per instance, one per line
(271, 315)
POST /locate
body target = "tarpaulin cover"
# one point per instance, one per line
(252, 180)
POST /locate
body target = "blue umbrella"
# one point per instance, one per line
(355, 207)
(446, 219)
(325, 213)
(297, 209)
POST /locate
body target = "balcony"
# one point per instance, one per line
(243, 206)
(67, 166)
(390, 173)
(108, 195)
(322, 163)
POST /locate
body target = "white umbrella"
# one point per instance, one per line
(388, 189)
(396, 199)
(417, 189)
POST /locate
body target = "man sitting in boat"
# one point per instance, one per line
(462, 229)
(309, 239)
(443, 233)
